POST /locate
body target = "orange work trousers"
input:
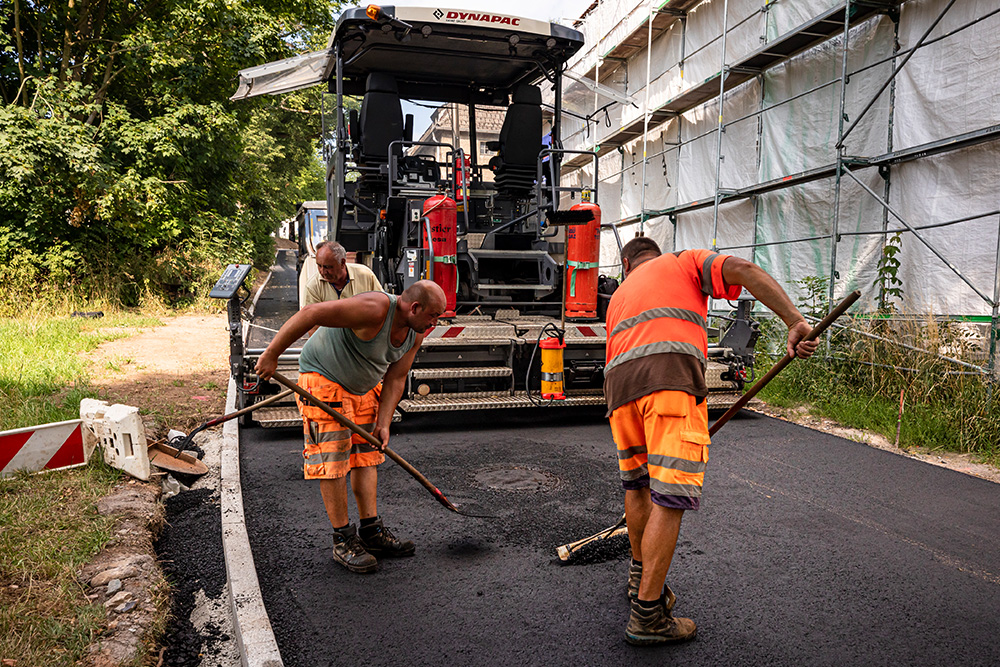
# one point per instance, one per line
(331, 450)
(662, 440)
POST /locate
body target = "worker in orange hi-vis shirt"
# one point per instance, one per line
(655, 388)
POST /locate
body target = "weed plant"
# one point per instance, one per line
(49, 528)
(856, 379)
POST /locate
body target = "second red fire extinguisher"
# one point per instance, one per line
(442, 217)
(460, 181)
(583, 251)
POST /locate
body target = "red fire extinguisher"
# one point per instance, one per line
(459, 178)
(583, 251)
(442, 217)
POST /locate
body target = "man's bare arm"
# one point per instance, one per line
(766, 289)
(360, 312)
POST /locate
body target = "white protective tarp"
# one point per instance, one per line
(949, 87)
(703, 44)
(799, 131)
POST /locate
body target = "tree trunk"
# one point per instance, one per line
(97, 32)
(83, 29)
(20, 45)
(64, 64)
(109, 74)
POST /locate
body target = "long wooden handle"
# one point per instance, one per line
(182, 443)
(785, 360)
(566, 550)
(249, 408)
(371, 439)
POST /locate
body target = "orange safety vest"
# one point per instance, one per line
(662, 307)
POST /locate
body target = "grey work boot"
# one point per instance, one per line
(657, 625)
(380, 541)
(350, 552)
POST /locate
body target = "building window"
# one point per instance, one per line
(483, 150)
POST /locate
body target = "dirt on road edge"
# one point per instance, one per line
(176, 374)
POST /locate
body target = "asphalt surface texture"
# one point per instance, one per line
(808, 550)
(278, 301)
(199, 632)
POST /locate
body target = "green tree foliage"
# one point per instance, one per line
(124, 168)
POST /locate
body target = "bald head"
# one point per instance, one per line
(424, 301)
(427, 293)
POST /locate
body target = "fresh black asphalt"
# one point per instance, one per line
(808, 550)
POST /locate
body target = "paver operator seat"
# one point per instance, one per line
(514, 168)
(381, 121)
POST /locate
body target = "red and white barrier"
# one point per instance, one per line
(45, 447)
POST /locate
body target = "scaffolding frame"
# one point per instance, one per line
(834, 22)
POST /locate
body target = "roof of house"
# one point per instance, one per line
(489, 120)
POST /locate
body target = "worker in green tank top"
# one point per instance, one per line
(359, 357)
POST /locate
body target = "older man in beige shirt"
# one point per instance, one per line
(338, 279)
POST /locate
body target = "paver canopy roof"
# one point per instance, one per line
(450, 54)
(442, 55)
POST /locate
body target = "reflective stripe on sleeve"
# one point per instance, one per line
(706, 274)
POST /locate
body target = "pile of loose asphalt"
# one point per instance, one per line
(199, 633)
(190, 551)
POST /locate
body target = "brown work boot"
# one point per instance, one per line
(379, 540)
(634, 577)
(657, 625)
(350, 552)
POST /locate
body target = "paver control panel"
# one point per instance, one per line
(230, 281)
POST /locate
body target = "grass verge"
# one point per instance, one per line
(945, 406)
(42, 373)
(49, 527)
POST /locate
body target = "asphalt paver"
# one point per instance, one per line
(809, 549)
